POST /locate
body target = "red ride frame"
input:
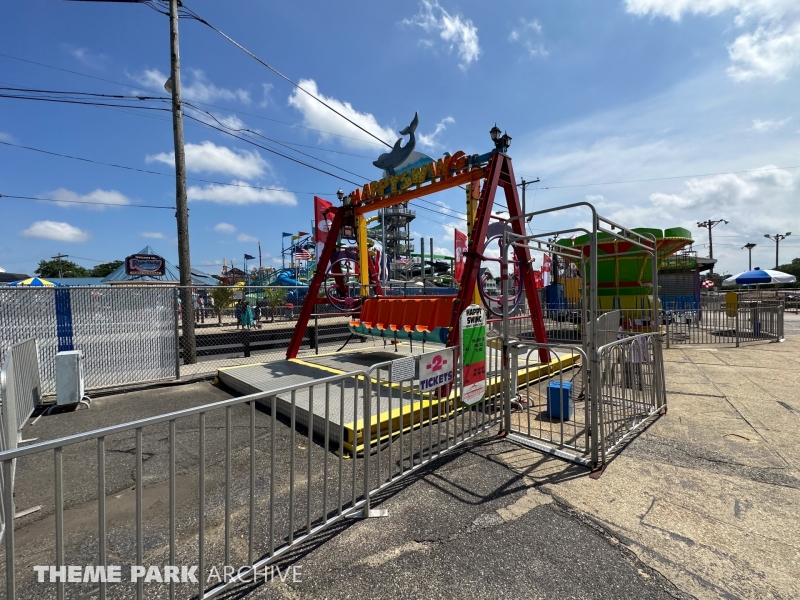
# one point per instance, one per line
(499, 173)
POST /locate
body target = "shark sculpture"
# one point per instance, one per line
(390, 160)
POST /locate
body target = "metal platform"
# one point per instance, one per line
(341, 405)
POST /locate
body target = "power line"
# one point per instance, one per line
(274, 70)
(297, 125)
(85, 202)
(559, 187)
(272, 150)
(148, 172)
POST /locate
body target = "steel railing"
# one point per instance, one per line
(276, 489)
(716, 323)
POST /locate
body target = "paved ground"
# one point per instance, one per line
(703, 503)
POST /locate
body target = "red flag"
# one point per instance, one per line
(323, 216)
(460, 240)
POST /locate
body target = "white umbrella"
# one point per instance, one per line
(759, 276)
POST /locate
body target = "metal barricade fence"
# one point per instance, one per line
(268, 490)
(553, 404)
(630, 388)
(20, 388)
(413, 421)
(716, 323)
(127, 333)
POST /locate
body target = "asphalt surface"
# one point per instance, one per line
(465, 525)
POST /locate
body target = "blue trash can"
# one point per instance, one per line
(559, 400)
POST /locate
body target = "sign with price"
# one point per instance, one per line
(473, 345)
(435, 369)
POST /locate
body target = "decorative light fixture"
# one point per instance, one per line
(504, 143)
(340, 194)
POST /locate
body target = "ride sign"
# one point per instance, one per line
(435, 369)
(473, 344)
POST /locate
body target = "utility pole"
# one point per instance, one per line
(749, 246)
(181, 200)
(710, 224)
(524, 185)
(777, 239)
(59, 256)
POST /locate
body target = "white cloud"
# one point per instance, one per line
(196, 87)
(429, 141)
(267, 99)
(106, 197)
(239, 194)
(456, 31)
(225, 228)
(87, 57)
(770, 51)
(317, 116)
(210, 158)
(766, 125)
(728, 191)
(443, 251)
(243, 237)
(155, 235)
(6, 137)
(54, 230)
(528, 33)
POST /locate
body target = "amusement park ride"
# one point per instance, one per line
(350, 289)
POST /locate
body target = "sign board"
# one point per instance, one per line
(435, 369)
(145, 264)
(473, 352)
(403, 369)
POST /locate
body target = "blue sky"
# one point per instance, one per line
(681, 93)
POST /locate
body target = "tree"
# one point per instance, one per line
(792, 268)
(104, 269)
(223, 298)
(273, 298)
(60, 268)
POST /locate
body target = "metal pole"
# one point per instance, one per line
(176, 311)
(422, 260)
(181, 200)
(506, 373)
(385, 258)
(432, 260)
(777, 243)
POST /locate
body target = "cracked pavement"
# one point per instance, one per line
(702, 504)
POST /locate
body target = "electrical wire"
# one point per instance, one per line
(560, 187)
(297, 125)
(85, 202)
(274, 70)
(148, 172)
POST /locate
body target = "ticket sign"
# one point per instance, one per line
(473, 343)
(435, 369)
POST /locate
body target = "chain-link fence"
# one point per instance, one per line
(236, 325)
(127, 333)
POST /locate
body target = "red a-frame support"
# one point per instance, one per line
(498, 173)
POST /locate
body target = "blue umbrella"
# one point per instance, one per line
(759, 276)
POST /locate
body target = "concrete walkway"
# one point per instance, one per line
(708, 495)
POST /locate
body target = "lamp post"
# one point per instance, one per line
(777, 239)
(749, 246)
(710, 224)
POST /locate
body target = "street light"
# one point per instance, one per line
(777, 239)
(340, 194)
(710, 224)
(749, 246)
(495, 133)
